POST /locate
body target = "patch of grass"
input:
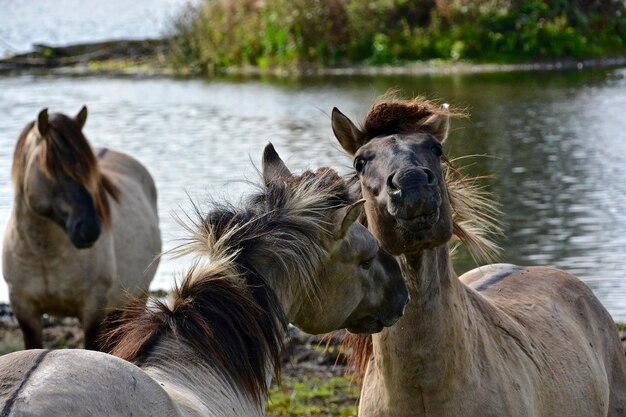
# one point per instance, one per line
(10, 341)
(57, 334)
(149, 65)
(313, 396)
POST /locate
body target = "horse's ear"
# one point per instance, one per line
(346, 132)
(438, 124)
(273, 167)
(350, 216)
(42, 122)
(81, 117)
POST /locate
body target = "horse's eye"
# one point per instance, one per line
(359, 164)
(367, 263)
(437, 150)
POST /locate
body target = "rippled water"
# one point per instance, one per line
(556, 144)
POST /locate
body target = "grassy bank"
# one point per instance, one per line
(148, 56)
(297, 34)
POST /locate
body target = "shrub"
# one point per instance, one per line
(300, 33)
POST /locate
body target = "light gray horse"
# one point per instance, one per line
(83, 230)
(501, 340)
(292, 252)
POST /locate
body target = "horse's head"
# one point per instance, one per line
(57, 174)
(398, 159)
(359, 285)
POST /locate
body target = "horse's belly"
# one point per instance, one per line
(55, 290)
(59, 308)
(54, 301)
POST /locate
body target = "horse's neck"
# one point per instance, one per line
(430, 346)
(200, 388)
(37, 235)
(288, 291)
(196, 387)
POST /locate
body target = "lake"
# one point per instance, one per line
(63, 22)
(554, 143)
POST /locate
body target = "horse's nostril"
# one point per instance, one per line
(430, 177)
(392, 188)
(78, 228)
(406, 303)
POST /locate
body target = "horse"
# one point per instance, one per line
(501, 340)
(83, 231)
(291, 252)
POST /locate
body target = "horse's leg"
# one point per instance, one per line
(92, 331)
(29, 320)
(94, 313)
(92, 321)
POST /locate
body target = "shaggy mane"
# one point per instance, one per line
(390, 114)
(232, 321)
(225, 308)
(474, 213)
(65, 152)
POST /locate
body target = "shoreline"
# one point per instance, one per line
(147, 58)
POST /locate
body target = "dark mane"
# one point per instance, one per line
(225, 309)
(64, 152)
(389, 115)
(231, 321)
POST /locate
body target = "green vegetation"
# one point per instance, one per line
(313, 396)
(10, 341)
(296, 34)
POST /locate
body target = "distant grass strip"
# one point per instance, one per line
(312, 33)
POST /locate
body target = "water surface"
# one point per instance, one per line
(63, 22)
(556, 144)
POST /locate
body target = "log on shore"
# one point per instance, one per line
(46, 56)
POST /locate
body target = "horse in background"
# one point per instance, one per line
(501, 340)
(83, 232)
(291, 253)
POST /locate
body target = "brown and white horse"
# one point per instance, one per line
(292, 252)
(83, 230)
(501, 340)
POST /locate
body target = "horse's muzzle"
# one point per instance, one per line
(84, 233)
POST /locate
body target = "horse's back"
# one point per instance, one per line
(544, 294)
(118, 164)
(562, 316)
(78, 383)
(135, 223)
(535, 290)
(14, 370)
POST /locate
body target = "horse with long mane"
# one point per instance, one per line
(83, 231)
(501, 340)
(291, 253)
